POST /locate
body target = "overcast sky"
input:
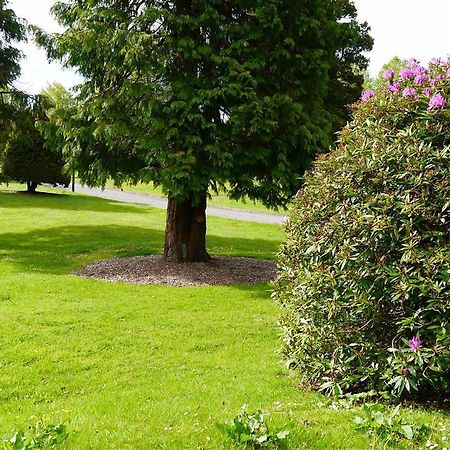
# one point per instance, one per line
(405, 28)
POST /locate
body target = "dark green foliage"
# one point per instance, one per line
(26, 157)
(11, 30)
(197, 95)
(348, 69)
(365, 267)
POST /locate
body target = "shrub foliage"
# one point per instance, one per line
(26, 157)
(364, 278)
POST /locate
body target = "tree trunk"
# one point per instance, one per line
(186, 231)
(31, 187)
(73, 177)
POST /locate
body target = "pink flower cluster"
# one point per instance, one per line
(415, 344)
(369, 93)
(418, 82)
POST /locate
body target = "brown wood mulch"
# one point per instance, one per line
(155, 269)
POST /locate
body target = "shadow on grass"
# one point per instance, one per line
(261, 291)
(60, 250)
(19, 199)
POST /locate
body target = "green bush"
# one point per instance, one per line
(364, 273)
(26, 158)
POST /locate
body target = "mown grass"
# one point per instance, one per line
(141, 367)
(218, 200)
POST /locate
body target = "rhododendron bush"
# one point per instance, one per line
(364, 273)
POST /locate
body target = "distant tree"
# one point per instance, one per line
(27, 159)
(57, 127)
(23, 155)
(199, 95)
(395, 64)
(348, 69)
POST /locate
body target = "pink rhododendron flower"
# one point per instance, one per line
(437, 61)
(415, 344)
(388, 74)
(437, 101)
(405, 73)
(413, 62)
(427, 92)
(420, 79)
(394, 87)
(418, 70)
(369, 93)
(409, 92)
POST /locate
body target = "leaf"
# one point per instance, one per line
(262, 439)
(18, 440)
(282, 434)
(359, 420)
(245, 438)
(408, 431)
(396, 411)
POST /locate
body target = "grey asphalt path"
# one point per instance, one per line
(160, 202)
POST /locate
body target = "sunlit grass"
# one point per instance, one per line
(141, 367)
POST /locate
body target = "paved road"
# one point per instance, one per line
(160, 202)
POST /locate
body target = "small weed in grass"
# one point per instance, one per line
(37, 437)
(252, 431)
(440, 439)
(389, 426)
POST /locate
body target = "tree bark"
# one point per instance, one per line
(73, 176)
(186, 231)
(31, 187)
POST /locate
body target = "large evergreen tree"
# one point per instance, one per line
(200, 95)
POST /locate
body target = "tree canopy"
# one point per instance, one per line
(200, 95)
(11, 30)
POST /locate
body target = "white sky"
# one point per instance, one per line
(404, 28)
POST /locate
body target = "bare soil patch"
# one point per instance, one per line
(155, 269)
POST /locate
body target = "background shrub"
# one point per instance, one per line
(364, 273)
(26, 158)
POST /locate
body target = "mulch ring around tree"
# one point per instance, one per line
(155, 269)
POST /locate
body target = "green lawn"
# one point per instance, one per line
(141, 367)
(220, 200)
